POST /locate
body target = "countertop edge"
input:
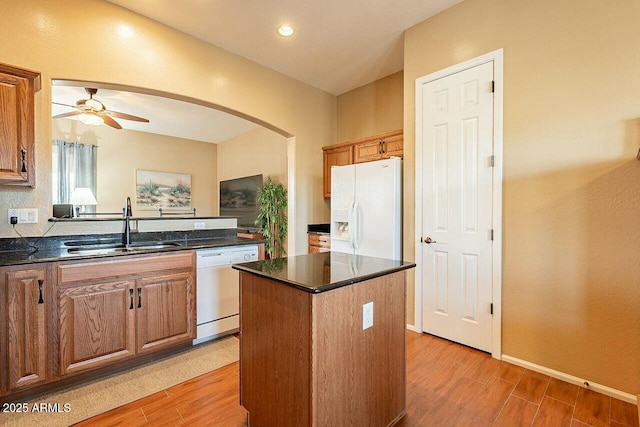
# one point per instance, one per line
(328, 287)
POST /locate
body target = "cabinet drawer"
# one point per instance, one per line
(114, 267)
(322, 240)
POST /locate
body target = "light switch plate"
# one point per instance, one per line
(367, 315)
(25, 216)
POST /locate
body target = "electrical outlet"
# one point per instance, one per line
(367, 315)
(198, 226)
(25, 216)
(12, 213)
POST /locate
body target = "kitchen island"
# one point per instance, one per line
(322, 340)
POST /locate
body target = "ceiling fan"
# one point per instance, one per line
(93, 112)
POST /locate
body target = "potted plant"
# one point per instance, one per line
(272, 217)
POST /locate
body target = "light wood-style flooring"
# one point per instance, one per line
(447, 385)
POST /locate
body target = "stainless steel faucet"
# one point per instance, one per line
(127, 223)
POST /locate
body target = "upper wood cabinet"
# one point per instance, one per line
(377, 147)
(17, 135)
(334, 156)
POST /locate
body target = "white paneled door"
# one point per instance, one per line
(455, 130)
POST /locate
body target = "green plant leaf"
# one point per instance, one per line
(272, 217)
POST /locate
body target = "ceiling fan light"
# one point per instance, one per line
(93, 104)
(91, 119)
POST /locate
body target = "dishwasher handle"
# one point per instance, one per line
(209, 255)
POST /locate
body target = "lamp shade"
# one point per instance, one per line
(83, 196)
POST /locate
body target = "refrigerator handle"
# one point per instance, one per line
(351, 219)
(356, 225)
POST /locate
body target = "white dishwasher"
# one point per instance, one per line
(218, 290)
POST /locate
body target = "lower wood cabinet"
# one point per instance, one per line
(97, 324)
(104, 319)
(319, 242)
(164, 311)
(62, 319)
(24, 328)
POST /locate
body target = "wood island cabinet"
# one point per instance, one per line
(377, 147)
(17, 135)
(117, 309)
(24, 331)
(313, 361)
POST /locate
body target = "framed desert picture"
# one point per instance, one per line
(162, 190)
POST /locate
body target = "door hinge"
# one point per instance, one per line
(491, 308)
(491, 234)
(492, 160)
(493, 86)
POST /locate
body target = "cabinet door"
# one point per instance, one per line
(97, 324)
(17, 157)
(338, 156)
(25, 322)
(393, 146)
(165, 310)
(368, 151)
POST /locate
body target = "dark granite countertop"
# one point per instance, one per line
(48, 249)
(319, 229)
(323, 271)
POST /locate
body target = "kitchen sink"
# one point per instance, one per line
(110, 249)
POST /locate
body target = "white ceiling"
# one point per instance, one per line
(338, 45)
(166, 116)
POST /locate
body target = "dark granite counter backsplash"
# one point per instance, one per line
(55, 248)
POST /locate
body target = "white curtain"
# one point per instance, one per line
(74, 165)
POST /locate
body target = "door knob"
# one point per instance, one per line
(428, 240)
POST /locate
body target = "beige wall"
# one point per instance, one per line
(259, 151)
(116, 46)
(122, 152)
(371, 109)
(571, 239)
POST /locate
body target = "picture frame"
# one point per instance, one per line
(165, 190)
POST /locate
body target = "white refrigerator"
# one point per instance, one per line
(366, 200)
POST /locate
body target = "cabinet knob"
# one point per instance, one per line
(24, 160)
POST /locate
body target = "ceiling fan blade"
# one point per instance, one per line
(126, 116)
(110, 122)
(65, 105)
(72, 113)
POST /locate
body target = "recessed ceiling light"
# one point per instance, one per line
(285, 30)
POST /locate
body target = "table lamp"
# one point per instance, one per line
(81, 197)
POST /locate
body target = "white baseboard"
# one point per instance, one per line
(608, 391)
(413, 328)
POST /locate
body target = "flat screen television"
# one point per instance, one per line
(239, 198)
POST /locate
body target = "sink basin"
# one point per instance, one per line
(110, 249)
